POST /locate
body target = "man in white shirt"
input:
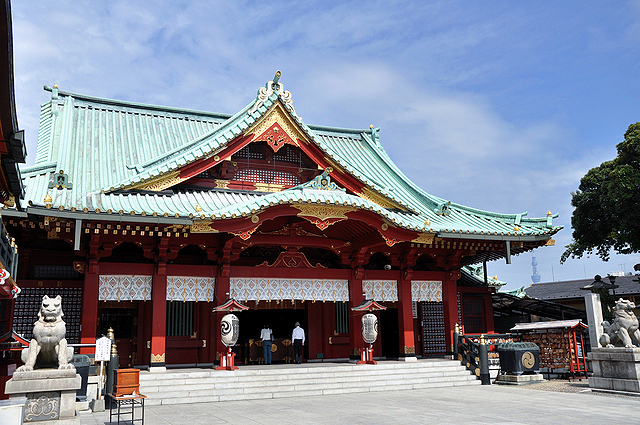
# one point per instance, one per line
(297, 339)
(266, 336)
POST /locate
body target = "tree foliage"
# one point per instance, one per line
(607, 204)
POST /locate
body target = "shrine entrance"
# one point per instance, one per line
(281, 321)
(389, 334)
(122, 317)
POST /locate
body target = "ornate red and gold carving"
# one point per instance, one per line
(277, 129)
(409, 350)
(292, 260)
(323, 216)
(454, 275)
(389, 241)
(204, 226)
(159, 183)
(426, 238)
(276, 137)
(246, 234)
(79, 266)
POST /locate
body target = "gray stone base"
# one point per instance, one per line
(518, 379)
(50, 395)
(615, 369)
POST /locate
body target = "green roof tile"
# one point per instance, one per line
(105, 145)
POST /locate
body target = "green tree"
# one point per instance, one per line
(607, 204)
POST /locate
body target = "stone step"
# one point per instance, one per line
(278, 381)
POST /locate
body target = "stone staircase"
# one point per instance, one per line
(253, 382)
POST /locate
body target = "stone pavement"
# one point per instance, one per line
(494, 404)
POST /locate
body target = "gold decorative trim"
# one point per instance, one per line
(203, 227)
(323, 216)
(409, 350)
(550, 242)
(222, 184)
(389, 241)
(323, 212)
(244, 235)
(157, 358)
(160, 183)
(426, 238)
(269, 187)
(277, 114)
(378, 199)
(10, 201)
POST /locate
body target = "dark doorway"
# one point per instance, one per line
(389, 335)
(124, 322)
(281, 321)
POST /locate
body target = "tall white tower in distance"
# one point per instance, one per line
(535, 277)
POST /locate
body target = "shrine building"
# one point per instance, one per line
(144, 218)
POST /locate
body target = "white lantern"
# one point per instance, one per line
(369, 328)
(229, 329)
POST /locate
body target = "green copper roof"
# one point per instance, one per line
(92, 148)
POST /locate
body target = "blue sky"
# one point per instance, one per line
(501, 106)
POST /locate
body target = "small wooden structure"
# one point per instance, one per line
(561, 344)
(126, 381)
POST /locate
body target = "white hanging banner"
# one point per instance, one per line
(125, 288)
(426, 290)
(380, 290)
(263, 289)
(190, 288)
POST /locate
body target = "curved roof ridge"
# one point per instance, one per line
(382, 154)
(136, 105)
(38, 168)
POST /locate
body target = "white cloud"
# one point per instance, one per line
(483, 105)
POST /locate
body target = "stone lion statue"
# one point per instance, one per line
(624, 326)
(48, 348)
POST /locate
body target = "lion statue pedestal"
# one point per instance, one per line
(47, 380)
(616, 365)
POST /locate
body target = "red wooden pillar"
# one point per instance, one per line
(450, 306)
(355, 298)
(90, 297)
(159, 321)
(405, 311)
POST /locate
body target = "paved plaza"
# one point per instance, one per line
(494, 404)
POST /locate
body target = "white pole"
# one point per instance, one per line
(100, 382)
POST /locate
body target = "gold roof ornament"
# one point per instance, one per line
(47, 199)
(198, 208)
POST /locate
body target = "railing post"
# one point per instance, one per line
(483, 354)
(456, 335)
(112, 365)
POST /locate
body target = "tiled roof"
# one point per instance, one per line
(569, 289)
(104, 147)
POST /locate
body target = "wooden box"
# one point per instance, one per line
(126, 381)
